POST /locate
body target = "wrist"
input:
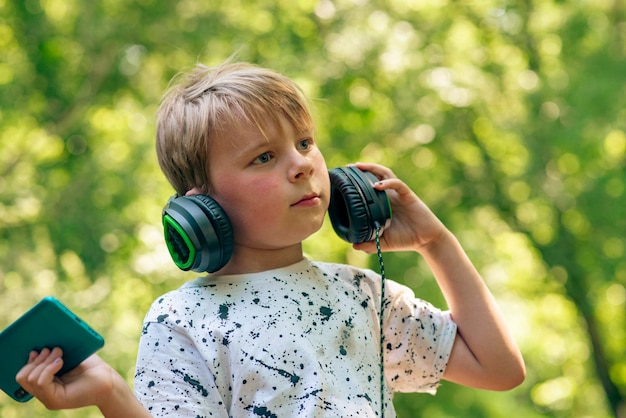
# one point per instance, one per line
(121, 402)
(438, 245)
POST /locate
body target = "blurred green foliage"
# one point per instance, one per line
(507, 117)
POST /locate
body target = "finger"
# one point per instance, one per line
(385, 184)
(378, 170)
(42, 356)
(49, 369)
(394, 187)
(45, 357)
(41, 369)
(28, 367)
(34, 360)
(32, 356)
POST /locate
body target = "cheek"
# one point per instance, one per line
(247, 203)
(264, 201)
(263, 189)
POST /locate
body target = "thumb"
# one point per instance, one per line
(367, 247)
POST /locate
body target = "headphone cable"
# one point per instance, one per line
(380, 322)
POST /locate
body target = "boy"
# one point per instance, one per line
(272, 333)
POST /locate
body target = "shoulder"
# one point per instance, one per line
(343, 270)
(183, 302)
(365, 280)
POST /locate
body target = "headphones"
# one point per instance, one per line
(199, 235)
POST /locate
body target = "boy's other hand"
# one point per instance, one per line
(91, 381)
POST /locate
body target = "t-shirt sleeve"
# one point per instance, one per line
(171, 379)
(418, 341)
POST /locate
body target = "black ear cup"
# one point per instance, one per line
(356, 208)
(198, 233)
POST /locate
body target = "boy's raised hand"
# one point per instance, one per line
(413, 226)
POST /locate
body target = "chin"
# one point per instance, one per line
(309, 232)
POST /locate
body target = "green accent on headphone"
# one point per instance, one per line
(184, 253)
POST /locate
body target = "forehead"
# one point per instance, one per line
(236, 134)
(264, 128)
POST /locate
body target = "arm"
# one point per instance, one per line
(484, 354)
(93, 382)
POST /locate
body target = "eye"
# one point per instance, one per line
(263, 158)
(305, 144)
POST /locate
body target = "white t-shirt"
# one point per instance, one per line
(299, 341)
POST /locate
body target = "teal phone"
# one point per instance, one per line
(47, 324)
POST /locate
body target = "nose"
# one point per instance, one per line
(301, 168)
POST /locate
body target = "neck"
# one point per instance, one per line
(253, 260)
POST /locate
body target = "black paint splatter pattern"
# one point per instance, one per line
(298, 341)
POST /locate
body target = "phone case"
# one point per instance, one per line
(48, 324)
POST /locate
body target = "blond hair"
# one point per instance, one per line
(207, 101)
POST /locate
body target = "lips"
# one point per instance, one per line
(311, 199)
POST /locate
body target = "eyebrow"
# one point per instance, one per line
(250, 149)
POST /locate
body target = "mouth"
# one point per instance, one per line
(308, 200)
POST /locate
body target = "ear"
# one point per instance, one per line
(194, 191)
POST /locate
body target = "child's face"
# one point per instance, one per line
(275, 190)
